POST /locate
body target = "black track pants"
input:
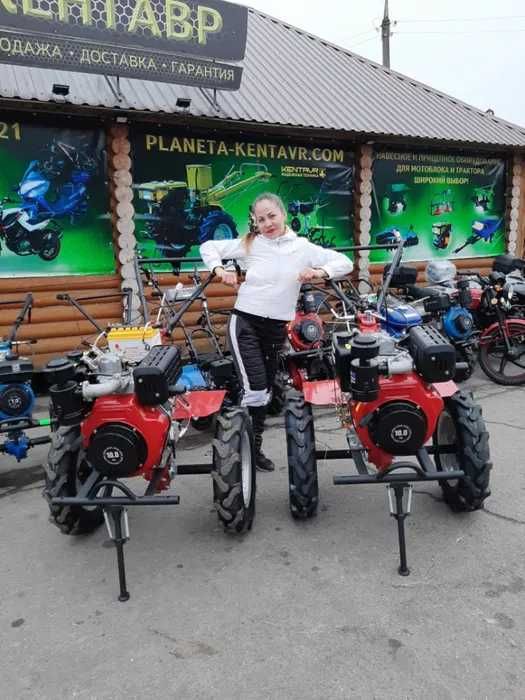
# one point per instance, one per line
(255, 342)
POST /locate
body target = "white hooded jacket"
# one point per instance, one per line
(272, 267)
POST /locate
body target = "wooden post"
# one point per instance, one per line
(363, 213)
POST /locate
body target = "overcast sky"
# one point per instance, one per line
(471, 49)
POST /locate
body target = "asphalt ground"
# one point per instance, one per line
(295, 610)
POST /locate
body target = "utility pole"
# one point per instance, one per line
(385, 36)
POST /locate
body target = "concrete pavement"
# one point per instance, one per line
(304, 610)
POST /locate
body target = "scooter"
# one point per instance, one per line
(29, 228)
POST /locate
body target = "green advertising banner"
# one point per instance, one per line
(444, 206)
(190, 190)
(53, 202)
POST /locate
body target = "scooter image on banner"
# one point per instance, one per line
(25, 238)
(51, 188)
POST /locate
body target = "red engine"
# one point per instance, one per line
(400, 421)
(306, 331)
(123, 438)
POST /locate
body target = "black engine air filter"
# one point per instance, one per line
(116, 450)
(398, 427)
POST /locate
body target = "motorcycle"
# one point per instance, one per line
(51, 188)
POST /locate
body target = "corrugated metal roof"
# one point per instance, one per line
(291, 78)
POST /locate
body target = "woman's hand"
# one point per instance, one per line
(227, 277)
(312, 273)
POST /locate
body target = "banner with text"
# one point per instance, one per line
(190, 190)
(134, 38)
(444, 206)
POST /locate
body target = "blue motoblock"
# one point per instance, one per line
(458, 323)
(17, 401)
(192, 378)
(400, 318)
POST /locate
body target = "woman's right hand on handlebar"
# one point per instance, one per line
(227, 277)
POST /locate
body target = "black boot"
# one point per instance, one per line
(258, 415)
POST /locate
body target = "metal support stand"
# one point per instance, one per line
(402, 495)
(119, 535)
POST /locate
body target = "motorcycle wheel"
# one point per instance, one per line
(50, 245)
(461, 425)
(495, 361)
(63, 476)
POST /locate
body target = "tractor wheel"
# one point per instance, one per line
(233, 470)
(217, 226)
(50, 246)
(302, 462)
(203, 424)
(461, 425)
(63, 475)
(276, 405)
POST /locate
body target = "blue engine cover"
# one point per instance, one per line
(458, 323)
(16, 401)
(400, 318)
(192, 378)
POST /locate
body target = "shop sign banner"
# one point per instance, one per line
(189, 190)
(443, 205)
(164, 41)
(53, 202)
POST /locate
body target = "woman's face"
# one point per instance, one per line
(269, 219)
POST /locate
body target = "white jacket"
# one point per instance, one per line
(272, 267)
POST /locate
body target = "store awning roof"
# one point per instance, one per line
(291, 78)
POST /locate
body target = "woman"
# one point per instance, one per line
(277, 262)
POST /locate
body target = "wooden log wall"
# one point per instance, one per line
(56, 326)
(517, 220)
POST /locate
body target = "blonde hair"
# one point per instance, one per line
(253, 232)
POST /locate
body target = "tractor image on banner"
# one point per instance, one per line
(442, 205)
(191, 190)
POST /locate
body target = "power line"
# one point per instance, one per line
(356, 36)
(362, 42)
(463, 19)
(474, 31)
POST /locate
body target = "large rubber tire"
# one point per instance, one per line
(233, 472)
(276, 405)
(217, 226)
(462, 424)
(203, 424)
(492, 350)
(302, 463)
(62, 479)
